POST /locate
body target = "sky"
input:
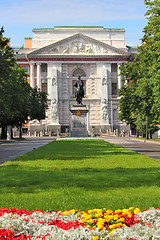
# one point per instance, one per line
(19, 17)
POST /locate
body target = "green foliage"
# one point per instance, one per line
(141, 77)
(18, 100)
(82, 174)
(14, 87)
(38, 104)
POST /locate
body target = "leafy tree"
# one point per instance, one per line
(7, 64)
(18, 101)
(141, 90)
(38, 104)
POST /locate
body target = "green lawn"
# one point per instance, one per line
(82, 174)
(150, 139)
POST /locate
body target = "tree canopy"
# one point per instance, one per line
(140, 101)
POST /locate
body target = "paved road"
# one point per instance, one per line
(150, 149)
(11, 150)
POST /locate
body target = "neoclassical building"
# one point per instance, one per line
(55, 57)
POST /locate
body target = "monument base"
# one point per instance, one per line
(79, 121)
(79, 133)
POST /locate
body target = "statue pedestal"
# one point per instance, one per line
(79, 121)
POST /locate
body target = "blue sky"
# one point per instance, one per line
(19, 17)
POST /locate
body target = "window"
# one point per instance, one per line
(114, 67)
(44, 67)
(78, 72)
(114, 90)
(44, 85)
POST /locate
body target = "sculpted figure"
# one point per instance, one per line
(79, 93)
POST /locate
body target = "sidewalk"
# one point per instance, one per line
(12, 149)
(147, 148)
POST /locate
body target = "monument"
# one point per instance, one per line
(79, 112)
(79, 91)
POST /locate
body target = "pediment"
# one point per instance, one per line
(78, 44)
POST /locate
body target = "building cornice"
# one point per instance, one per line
(70, 59)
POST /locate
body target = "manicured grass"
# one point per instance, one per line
(153, 139)
(82, 174)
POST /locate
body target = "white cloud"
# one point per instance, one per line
(71, 12)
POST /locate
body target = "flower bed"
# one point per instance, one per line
(93, 224)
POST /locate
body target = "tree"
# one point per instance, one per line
(141, 90)
(18, 101)
(38, 104)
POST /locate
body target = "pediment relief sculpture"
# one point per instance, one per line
(79, 44)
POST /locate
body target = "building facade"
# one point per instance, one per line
(55, 57)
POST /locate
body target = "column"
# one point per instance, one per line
(32, 75)
(119, 77)
(39, 75)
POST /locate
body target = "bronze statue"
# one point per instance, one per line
(79, 91)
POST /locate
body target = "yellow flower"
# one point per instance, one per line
(112, 232)
(125, 211)
(95, 238)
(121, 220)
(116, 217)
(112, 226)
(129, 214)
(118, 211)
(131, 208)
(110, 217)
(109, 211)
(72, 211)
(99, 214)
(137, 210)
(83, 220)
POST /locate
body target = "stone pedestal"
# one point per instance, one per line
(79, 121)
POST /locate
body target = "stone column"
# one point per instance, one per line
(119, 77)
(32, 75)
(39, 75)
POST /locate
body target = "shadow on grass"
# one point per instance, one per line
(75, 150)
(32, 180)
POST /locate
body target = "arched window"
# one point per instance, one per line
(79, 72)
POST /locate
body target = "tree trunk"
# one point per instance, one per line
(11, 133)
(137, 133)
(150, 134)
(147, 127)
(4, 132)
(20, 131)
(143, 135)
